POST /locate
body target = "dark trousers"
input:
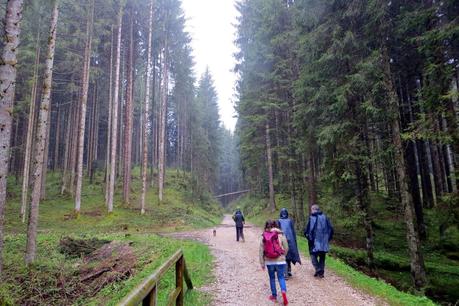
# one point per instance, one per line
(318, 261)
(239, 233)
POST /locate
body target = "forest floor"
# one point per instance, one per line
(239, 279)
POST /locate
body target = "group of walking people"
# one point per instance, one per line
(279, 249)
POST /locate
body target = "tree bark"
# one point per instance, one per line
(162, 133)
(8, 71)
(272, 200)
(114, 127)
(146, 114)
(364, 204)
(109, 124)
(414, 244)
(84, 100)
(57, 138)
(45, 159)
(30, 129)
(128, 115)
(40, 141)
(312, 184)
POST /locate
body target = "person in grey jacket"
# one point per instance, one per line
(319, 232)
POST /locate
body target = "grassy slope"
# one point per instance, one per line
(52, 277)
(257, 214)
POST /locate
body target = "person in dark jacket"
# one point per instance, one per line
(319, 232)
(238, 218)
(287, 227)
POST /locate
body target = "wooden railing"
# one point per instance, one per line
(146, 292)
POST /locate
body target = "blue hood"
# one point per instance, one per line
(283, 213)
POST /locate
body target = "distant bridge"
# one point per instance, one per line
(231, 193)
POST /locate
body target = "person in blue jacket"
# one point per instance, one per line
(319, 232)
(288, 228)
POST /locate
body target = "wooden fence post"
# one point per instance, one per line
(151, 298)
(179, 267)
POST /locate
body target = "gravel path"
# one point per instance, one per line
(241, 281)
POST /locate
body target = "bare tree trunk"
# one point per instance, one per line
(30, 128)
(8, 63)
(364, 204)
(95, 139)
(75, 141)
(57, 140)
(414, 244)
(40, 141)
(156, 116)
(146, 113)
(84, 100)
(162, 127)
(114, 127)
(110, 115)
(312, 188)
(68, 147)
(128, 115)
(45, 160)
(272, 200)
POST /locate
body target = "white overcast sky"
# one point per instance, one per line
(211, 26)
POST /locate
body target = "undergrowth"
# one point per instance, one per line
(53, 279)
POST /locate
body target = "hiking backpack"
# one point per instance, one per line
(271, 245)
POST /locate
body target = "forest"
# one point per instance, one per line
(105, 128)
(354, 105)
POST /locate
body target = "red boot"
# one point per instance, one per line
(284, 298)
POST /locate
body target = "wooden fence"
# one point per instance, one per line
(146, 292)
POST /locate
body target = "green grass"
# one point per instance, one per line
(257, 213)
(53, 278)
(41, 283)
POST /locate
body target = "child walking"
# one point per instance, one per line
(273, 247)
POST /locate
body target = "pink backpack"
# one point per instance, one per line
(271, 245)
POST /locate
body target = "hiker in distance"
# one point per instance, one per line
(273, 247)
(288, 229)
(238, 218)
(319, 232)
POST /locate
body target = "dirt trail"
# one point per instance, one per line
(241, 281)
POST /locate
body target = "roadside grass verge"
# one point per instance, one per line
(53, 279)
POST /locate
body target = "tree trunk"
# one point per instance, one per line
(67, 148)
(414, 187)
(146, 113)
(312, 184)
(414, 244)
(84, 100)
(114, 127)
(128, 114)
(7, 85)
(364, 204)
(57, 138)
(30, 129)
(162, 133)
(109, 124)
(40, 141)
(75, 142)
(427, 189)
(45, 159)
(272, 200)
